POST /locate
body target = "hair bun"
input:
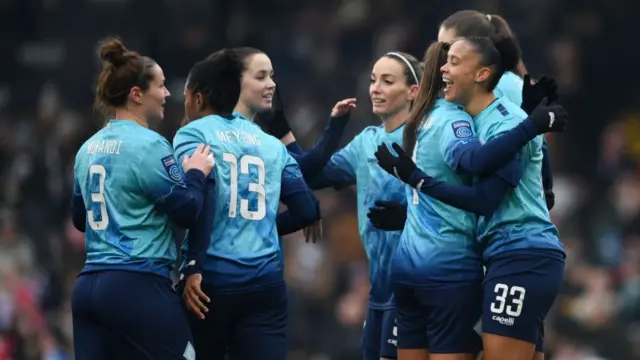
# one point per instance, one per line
(113, 51)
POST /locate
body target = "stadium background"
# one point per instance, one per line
(322, 52)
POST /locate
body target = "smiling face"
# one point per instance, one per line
(463, 72)
(388, 87)
(152, 100)
(257, 83)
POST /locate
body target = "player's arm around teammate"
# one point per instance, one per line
(201, 100)
(129, 189)
(463, 150)
(469, 23)
(530, 237)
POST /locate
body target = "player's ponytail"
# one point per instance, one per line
(430, 86)
(507, 44)
(122, 69)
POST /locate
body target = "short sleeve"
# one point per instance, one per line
(158, 172)
(457, 135)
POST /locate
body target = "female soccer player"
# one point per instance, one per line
(393, 87)
(238, 257)
(523, 254)
(437, 268)
(128, 190)
(468, 23)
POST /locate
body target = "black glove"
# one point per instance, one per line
(549, 118)
(400, 166)
(532, 94)
(550, 197)
(274, 122)
(388, 215)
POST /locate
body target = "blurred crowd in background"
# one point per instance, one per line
(322, 52)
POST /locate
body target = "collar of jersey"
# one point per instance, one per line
(486, 112)
(237, 114)
(122, 122)
(443, 102)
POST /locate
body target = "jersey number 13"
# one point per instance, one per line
(257, 188)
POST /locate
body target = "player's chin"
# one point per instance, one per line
(266, 104)
(450, 96)
(160, 113)
(379, 109)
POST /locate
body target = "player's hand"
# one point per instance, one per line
(549, 118)
(313, 232)
(550, 198)
(400, 166)
(275, 122)
(194, 297)
(343, 107)
(388, 215)
(533, 93)
(202, 159)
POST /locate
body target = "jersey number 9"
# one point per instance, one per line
(257, 188)
(97, 197)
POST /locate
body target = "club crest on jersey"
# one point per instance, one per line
(171, 167)
(462, 129)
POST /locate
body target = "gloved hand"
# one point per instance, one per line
(274, 122)
(400, 166)
(549, 118)
(532, 94)
(550, 197)
(388, 215)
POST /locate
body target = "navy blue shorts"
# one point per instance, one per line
(128, 315)
(440, 320)
(519, 291)
(245, 325)
(380, 335)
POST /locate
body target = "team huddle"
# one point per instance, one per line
(454, 191)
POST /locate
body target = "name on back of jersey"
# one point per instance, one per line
(104, 147)
(230, 136)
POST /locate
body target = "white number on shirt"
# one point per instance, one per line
(98, 198)
(516, 292)
(257, 188)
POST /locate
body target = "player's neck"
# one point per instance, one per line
(395, 121)
(479, 102)
(125, 114)
(244, 111)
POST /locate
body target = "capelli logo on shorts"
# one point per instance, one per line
(509, 321)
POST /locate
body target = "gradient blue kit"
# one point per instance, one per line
(356, 164)
(122, 173)
(243, 269)
(438, 262)
(523, 253)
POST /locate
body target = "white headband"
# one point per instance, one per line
(401, 57)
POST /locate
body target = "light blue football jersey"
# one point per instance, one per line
(438, 244)
(510, 88)
(250, 166)
(122, 172)
(522, 220)
(357, 162)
